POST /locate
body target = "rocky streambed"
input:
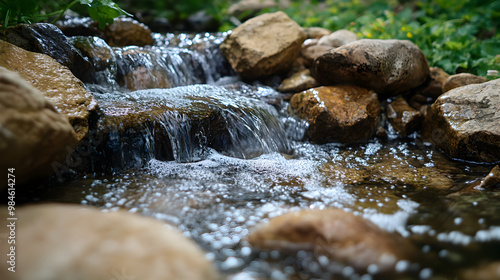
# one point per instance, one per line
(178, 158)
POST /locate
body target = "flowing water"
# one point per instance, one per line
(216, 160)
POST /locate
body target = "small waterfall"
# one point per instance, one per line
(184, 124)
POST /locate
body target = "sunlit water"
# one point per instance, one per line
(217, 194)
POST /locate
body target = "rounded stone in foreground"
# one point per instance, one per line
(339, 235)
(60, 242)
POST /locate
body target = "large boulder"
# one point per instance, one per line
(334, 233)
(465, 122)
(386, 66)
(54, 81)
(338, 113)
(32, 133)
(264, 45)
(60, 242)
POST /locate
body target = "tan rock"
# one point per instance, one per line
(54, 81)
(127, 32)
(299, 81)
(264, 45)
(338, 113)
(32, 133)
(255, 6)
(465, 122)
(402, 117)
(386, 66)
(460, 80)
(59, 242)
(316, 32)
(491, 181)
(338, 38)
(339, 235)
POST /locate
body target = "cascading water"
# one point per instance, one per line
(216, 160)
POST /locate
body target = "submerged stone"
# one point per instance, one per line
(338, 113)
(339, 235)
(62, 242)
(54, 81)
(465, 122)
(386, 66)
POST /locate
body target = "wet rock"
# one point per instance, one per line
(265, 45)
(488, 271)
(95, 50)
(316, 32)
(417, 101)
(460, 80)
(54, 81)
(465, 122)
(434, 86)
(299, 81)
(403, 118)
(74, 242)
(47, 39)
(339, 235)
(32, 133)
(255, 6)
(338, 38)
(491, 181)
(338, 113)
(127, 32)
(313, 51)
(182, 124)
(386, 66)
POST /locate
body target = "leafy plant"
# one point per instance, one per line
(13, 12)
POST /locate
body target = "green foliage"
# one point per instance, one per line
(458, 36)
(13, 12)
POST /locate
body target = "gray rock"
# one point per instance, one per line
(338, 38)
(465, 122)
(460, 80)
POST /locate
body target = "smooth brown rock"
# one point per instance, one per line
(488, 271)
(127, 32)
(255, 6)
(338, 113)
(434, 86)
(339, 235)
(491, 181)
(48, 39)
(60, 242)
(387, 66)
(338, 38)
(465, 122)
(299, 81)
(460, 80)
(54, 81)
(402, 117)
(264, 45)
(32, 133)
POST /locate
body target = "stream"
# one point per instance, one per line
(215, 157)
